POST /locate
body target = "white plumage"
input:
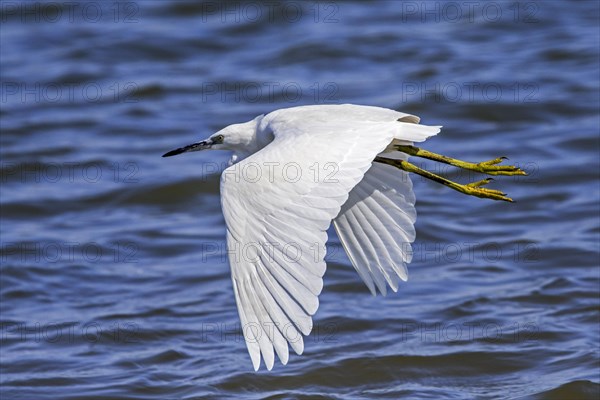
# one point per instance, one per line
(294, 172)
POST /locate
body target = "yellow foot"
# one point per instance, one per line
(476, 189)
(486, 167)
(472, 189)
(491, 168)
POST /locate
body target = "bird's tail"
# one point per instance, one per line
(411, 132)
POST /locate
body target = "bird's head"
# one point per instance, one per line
(237, 137)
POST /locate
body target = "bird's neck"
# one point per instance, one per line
(258, 140)
(255, 145)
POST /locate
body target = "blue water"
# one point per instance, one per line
(114, 279)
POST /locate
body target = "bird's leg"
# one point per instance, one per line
(485, 167)
(472, 189)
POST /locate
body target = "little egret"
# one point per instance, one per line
(295, 171)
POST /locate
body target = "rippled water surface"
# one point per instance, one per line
(114, 277)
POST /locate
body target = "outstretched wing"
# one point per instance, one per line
(381, 208)
(278, 204)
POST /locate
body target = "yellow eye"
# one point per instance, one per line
(218, 139)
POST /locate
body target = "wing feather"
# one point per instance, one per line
(255, 320)
(293, 310)
(381, 207)
(286, 327)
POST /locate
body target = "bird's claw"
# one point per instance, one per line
(491, 168)
(476, 189)
(494, 161)
(480, 183)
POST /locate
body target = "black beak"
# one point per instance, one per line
(205, 144)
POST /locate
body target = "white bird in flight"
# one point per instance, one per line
(294, 172)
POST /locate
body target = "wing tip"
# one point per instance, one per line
(255, 361)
